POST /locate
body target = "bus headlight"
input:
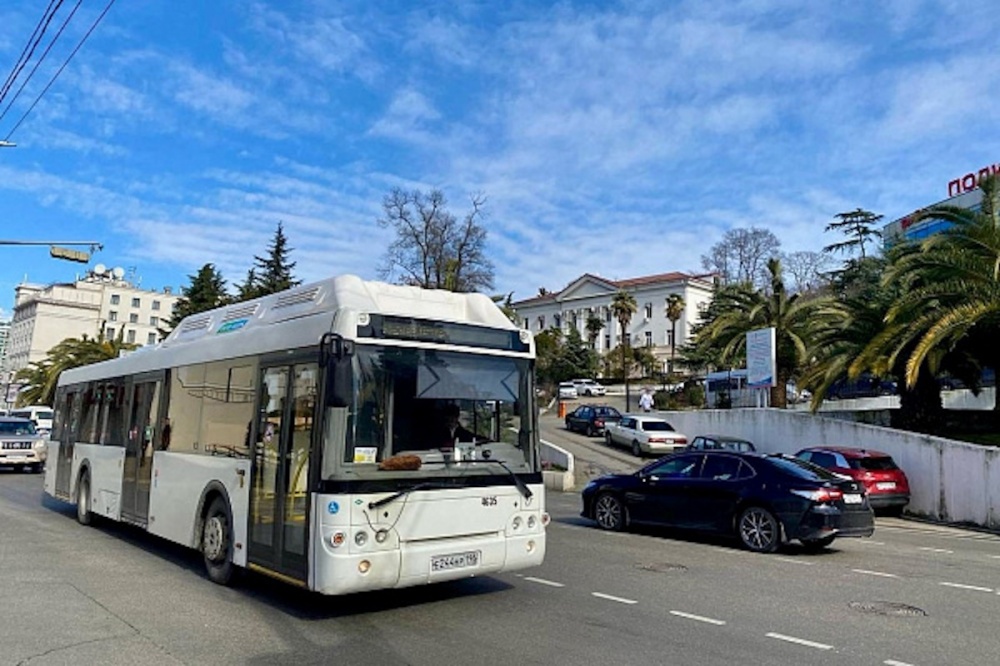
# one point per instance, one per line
(517, 523)
(381, 536)
(531, 522)
(364, 566)
(361, 538)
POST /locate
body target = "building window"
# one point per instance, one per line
(670, 338)
(541, 323)
(628, 339)
(607, 315)
(113, 315)
(135, 302)
(558, 320)
(607, 342)
(649, 310)
(131, 336)
(151, 339)
(154, 321)
(156, 305)
(110, 335)
(115, 299)
(527, 323)
(133, 318)
(649, 338)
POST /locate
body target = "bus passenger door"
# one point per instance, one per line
(279, 499)
(67, 436)
(143, 410)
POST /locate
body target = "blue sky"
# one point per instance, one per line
(621, 139)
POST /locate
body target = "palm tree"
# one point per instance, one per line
(623, 307)
(950, 289)
(791, 316)
(43, 376)
(594, 327)
(675, 309)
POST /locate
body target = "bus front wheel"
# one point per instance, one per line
(83, 515)
(217, 542)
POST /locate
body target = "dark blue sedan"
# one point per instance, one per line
(762, 499)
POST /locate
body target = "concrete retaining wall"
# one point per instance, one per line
(949, 480)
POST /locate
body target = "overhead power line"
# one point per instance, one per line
(59, 71)
(29, 48)
(40, 60)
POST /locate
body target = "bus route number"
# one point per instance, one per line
(490, 501)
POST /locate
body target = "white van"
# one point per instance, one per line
(40, 414)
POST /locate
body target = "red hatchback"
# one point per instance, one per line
(887, 486)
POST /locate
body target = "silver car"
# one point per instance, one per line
(21, 445)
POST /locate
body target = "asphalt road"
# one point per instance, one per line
(912, 594)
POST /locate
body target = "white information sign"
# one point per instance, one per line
(761, 366)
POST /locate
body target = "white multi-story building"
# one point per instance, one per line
(592, 295)
(101, 301)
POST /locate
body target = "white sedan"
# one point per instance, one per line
(644, 434)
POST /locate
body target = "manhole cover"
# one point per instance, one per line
(887, 608)
(661, 567)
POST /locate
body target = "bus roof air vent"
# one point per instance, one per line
(297, 298)
(242, 311)
(196, 324)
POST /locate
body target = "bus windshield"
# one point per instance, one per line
(425, 412)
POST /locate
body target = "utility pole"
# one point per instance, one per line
(57, 249)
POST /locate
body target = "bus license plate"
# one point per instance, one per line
(852, 498)
(455, 561)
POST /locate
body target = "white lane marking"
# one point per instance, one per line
(868, 542)
(893, 662)
(800, 641)
(937, 550)
(542, 581)
(793, 561)
(995, 557)
(699, 618)
(874, 573)
(975, 588)
(620, 600)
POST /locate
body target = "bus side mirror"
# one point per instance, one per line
(332, 345)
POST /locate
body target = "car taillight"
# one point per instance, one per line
(820, 495)
(681, 440)
(599, 423)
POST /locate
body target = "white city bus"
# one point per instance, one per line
(299, 435)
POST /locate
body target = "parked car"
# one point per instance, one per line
(865, 386)
(644, 434)
(40, 415)
(763, 500)
(21, 445)
(886, 484)
(589, 387)
(720, 442)
(567, 391)
(591, 419)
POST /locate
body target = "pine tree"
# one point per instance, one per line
(207, 291)
(271, 273)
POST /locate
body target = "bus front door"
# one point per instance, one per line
(143, 409)
(70, 412)
(279, 498)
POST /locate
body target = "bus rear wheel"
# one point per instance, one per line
(217, 542)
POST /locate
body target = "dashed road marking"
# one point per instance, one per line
(974, 588)
(791, 560)
(542, 581)
(937, 550)
(800, 641)
(875, 573)
(699, 618)
(609, 597)
(893, 662)
(871, 543)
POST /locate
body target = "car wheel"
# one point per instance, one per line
(636, 449)
(217, 542)
(591, 432)
(759, 530)
(609, 512)
(607, 438)
(83, 515)
(813, 545)
(568, 427)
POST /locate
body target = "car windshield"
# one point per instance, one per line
(872, 464)
(737, 445)
(17, 428)
(656, 426)
(607, 411)
(803, 469)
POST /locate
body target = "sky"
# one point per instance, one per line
(614, 138)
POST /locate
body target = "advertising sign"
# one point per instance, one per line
(761, 366)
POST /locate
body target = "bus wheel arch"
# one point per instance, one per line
(215, 536)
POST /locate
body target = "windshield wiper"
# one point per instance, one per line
(521, 485)
(406, 491)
